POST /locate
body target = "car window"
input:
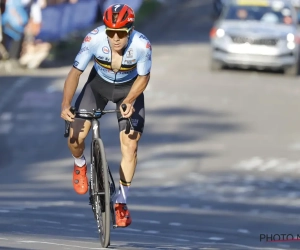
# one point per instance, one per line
(272, 14)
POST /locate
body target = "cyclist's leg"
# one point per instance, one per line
(79, 129)
(129, 148)
(129, 142)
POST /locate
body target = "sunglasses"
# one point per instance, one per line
(120, 33)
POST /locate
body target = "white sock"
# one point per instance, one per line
(80, 162)
(122, 194)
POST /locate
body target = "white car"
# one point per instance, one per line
(256, 33)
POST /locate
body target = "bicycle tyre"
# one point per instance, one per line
(101, 185)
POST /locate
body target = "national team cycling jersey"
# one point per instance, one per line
(136, 59)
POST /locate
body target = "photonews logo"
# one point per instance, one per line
(279, 237)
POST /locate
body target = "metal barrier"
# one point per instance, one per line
(61, 20)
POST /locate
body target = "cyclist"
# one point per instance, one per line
(121, 72)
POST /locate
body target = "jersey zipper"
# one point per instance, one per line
(111, 64)
(113, 70)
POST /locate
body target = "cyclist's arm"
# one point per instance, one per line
(81, 62)
(70, 87)
(137, 88)
(143, 69)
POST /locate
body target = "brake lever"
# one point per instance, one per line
(67, 124)
(129, 124)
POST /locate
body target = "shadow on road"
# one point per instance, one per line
(36, 166)
(36, 187)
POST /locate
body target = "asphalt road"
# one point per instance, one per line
(218, 163)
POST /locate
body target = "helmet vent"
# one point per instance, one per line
(125, 16)
(115, 17)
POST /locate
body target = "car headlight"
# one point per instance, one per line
(290, 37)
(220, 33)
(216, 32)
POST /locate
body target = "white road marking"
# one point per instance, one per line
(176, 224)
(147, 221)
(274, 164)
(6, 116)
(284, 245)
(6, 124)
(151, 232)
(4, 211)
(47, 221)
(243, 231)
(183, 240)
(215, 238)
(50, 89)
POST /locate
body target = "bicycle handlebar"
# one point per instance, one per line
(96, 114)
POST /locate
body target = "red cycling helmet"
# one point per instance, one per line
(119, 16)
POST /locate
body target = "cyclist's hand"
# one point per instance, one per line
(66, 114)
(129, 110)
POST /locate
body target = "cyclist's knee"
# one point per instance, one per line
(78, 131)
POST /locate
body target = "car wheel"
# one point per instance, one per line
(216, 65)
(292, 70)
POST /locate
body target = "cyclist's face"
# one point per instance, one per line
(117, 39)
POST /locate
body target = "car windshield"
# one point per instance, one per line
(271, 14)
(298, 12)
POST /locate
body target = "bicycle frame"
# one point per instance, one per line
(95, 135)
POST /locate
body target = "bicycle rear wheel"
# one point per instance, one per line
(101, 191)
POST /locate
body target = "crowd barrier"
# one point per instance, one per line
(60, 20)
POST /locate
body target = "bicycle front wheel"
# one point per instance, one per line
(101, 192)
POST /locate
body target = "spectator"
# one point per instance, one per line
(3, 51)
(14, 20)
(2, 8)
(31, 56)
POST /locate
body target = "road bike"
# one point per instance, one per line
(101, 184)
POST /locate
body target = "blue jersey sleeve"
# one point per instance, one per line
(144, 62)
(86, 52)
